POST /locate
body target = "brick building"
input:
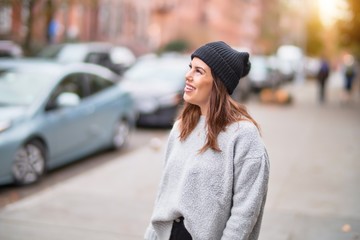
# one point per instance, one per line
(144, 25)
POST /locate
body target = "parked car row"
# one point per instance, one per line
(115, 58)
(270, 72)
(262, 75)
(54, 112)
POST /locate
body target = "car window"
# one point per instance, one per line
(51, 51)
(102, 59)
(22, 87)
(73, 83)
(97, 83)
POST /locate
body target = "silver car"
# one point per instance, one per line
(52, 114)
(114, 57)
(157, 85)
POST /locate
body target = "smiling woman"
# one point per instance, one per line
(215, 158)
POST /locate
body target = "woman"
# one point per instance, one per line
(216, 170)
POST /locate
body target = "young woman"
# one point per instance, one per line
(216, 169)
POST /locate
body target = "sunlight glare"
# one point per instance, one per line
(329, 10)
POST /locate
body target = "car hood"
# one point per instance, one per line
(11, 113)
(150, 90)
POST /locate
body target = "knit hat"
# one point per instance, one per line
(228, 64)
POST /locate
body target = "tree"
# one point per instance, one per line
(29, 4)
(270, 30)
(349, 27)
(314, 31)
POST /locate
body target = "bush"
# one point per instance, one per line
(175, 46)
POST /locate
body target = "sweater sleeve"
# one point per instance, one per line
(150, 233)
(251, 174)
(173, 135)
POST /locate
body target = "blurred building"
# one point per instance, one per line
(125, 22)
(236, 22)
(48, 21)
(144, 24)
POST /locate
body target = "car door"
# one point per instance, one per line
(66, 128)
(103, 97)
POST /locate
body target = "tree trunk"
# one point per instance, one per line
(29, 34)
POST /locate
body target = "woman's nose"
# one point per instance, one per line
(188, 76)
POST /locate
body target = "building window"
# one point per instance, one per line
(5, 20)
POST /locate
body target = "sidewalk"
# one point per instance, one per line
(313, 190)
(315, 167)
(111, 202)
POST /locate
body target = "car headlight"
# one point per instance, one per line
(148, 105)
(170, 100)
(4, 124)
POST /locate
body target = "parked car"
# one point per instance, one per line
(290, 61)
(52, 114)
(243, 90)
(262, 74)
(157, 85)
(115, 58)
(9, 49)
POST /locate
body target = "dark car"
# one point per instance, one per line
(242, 91)
(115, 58)
(157, 85)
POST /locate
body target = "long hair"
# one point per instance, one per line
(223, 110)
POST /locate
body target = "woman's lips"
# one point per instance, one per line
(189, 88)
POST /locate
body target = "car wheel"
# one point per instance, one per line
(121, 134)
(29, 163)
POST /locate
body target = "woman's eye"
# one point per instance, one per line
(198, 71)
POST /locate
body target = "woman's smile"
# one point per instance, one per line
(189, 88)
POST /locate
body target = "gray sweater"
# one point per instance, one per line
(221, 195)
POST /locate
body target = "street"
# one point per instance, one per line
(313, 189)
(139, 137)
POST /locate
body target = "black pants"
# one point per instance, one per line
(178, 231)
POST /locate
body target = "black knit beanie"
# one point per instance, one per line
(228, 64)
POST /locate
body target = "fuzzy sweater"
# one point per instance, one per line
(221, 195)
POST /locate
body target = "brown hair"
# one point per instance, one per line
(223, 111)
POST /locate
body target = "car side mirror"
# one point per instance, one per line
(67, 99)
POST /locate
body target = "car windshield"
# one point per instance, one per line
(151, 73)
(50, 52)
(67, 53)
(21, 87)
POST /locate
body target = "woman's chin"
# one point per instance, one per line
(187, 98)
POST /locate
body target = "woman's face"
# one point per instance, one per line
(199, 82)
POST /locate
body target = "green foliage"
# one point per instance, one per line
(349, 28)
(178, 45)
(314, 30)
(269, 26)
